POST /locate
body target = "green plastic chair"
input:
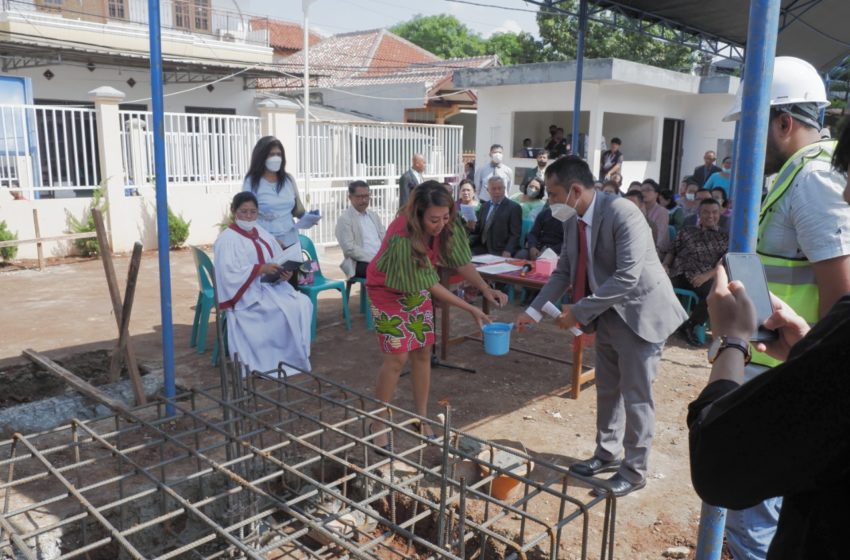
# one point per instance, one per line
(364, 299)
(320, 284)
(205, 304)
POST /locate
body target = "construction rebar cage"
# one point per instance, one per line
(277, 467)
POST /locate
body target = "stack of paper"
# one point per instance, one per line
(487, 259)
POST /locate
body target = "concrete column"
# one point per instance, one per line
(594, 132)
(112, 179)
(278, 119)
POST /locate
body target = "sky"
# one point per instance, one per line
(330, 17)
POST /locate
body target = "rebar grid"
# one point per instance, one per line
(284, 468)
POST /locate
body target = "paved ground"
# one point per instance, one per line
(515, 399)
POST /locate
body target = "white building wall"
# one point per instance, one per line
(704, 128)
(702, 115)
(73, 83)
(384, 102)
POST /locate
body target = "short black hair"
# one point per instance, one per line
(727, 158)
(617, 141)
(635, 194)
(721, 189)
(494, 146)
(524, 140)
(241, 198)
(652, 183)
(668, 194)
(354, 185)
(540, 192)
(709, 201)
(703, 189)
(841, 157)
(569, 169)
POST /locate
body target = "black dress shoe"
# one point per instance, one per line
(619, 486)
(594, 466)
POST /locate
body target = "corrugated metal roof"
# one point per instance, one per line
(814, 30)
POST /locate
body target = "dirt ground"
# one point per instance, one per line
(66, 310)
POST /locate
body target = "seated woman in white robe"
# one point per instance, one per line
(267, 322)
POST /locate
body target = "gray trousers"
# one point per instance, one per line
(626, 366)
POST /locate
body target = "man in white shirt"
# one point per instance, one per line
(493, 167)
(359, 231)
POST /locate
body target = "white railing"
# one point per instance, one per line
(200, 149)
(333, 201)
(48, 150)
(373, 150)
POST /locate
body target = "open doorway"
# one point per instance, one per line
(671, 154)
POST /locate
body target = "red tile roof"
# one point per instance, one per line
(285, 35)
(362, 53)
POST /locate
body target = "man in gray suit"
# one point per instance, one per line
(411, 179)
(620, 291)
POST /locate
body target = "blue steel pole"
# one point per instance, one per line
(582, 30)
(752, 138)
(747, 181)
(161, 205)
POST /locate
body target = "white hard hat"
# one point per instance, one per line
(794, 81)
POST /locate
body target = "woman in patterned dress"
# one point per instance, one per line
(403, 277)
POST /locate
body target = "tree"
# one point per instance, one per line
(447, 37)
(515, 48)
(559, 34)
(442, 35)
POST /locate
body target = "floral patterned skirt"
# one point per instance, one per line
(403, 322)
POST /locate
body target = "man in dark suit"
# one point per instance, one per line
(622, 293)
(411, 179)
(703, 172)
(499, 225)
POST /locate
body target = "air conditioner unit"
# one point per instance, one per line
(231, 35)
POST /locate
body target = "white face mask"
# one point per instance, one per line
(273, 163)
(496, 158)
(247, 225)
(561, 211)
(532, 191)
(690, 196)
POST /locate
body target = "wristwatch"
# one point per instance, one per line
(721, 343)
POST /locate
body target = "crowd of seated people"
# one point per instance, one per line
(690, 232)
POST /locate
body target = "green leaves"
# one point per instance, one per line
(389, 326)
(411, 301)
(560, 37)
(445, 36)
(418, 327)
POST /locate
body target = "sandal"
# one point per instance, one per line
(385, 449)
(432, 436)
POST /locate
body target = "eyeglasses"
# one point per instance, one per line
(367, 195)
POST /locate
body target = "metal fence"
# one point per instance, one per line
(375, 150)
(200, 149)
(48, 150)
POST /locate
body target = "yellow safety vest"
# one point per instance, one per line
(791, 279)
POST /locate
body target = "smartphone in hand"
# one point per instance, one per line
(748, 270)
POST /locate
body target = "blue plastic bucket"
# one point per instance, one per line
(497, 338)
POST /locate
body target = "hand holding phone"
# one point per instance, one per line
(747, 269)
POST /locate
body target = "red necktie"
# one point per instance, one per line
(580, 287)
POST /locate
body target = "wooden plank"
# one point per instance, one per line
(38, 235)
(112, 283)
(80, 385)
(124, 333)
(64, 237)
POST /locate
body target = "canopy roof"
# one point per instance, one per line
(814, 30)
